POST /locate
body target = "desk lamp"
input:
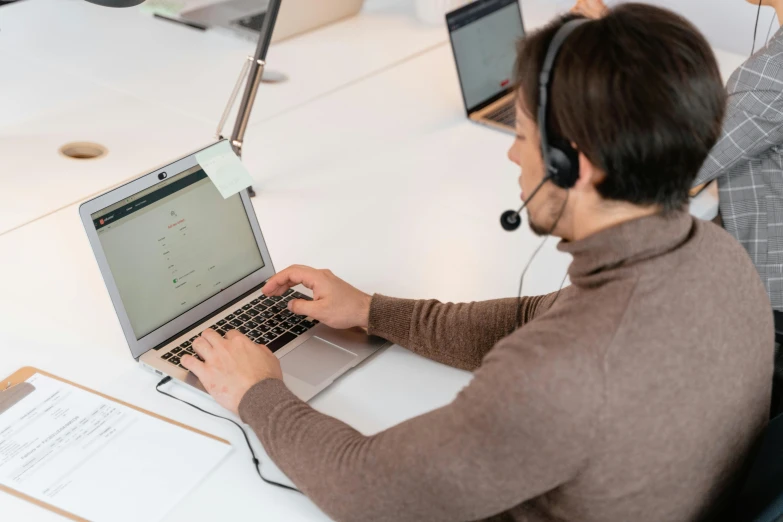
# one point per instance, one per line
(254, 66)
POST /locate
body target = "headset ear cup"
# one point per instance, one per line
(562, 159)
(564, 162)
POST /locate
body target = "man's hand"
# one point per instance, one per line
(232, 365)
(335, 303)
(589, 8)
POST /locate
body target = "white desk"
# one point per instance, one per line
(36, 179)
(192, 71)
(152, 91)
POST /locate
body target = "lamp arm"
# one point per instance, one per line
(254, 79)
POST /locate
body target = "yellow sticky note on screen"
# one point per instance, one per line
(224, 168)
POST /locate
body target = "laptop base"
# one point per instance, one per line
(482, 117)
(310, 362)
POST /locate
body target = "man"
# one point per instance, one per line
(747, 161)
(634, 394)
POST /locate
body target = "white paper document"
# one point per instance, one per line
(98, 459)
(224, 168)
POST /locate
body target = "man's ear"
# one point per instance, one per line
(589, 174)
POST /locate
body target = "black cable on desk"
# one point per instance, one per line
(256, 462)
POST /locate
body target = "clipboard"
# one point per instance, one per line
(14, 388)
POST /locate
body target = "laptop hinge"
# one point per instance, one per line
(216, 312)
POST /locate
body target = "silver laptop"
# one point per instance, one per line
(483, 36)
(245, 17)
(177, 258)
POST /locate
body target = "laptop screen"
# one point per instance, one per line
(484, 36)
(175, 245)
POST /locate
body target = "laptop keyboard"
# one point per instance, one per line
(265, 320)
(505, 115)
(253, 22)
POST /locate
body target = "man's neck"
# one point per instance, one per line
(607, 217)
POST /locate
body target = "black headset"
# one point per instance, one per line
(561, 160)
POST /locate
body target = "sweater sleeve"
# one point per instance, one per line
(459, 335)
(505, 439)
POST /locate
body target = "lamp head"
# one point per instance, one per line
(116, 3)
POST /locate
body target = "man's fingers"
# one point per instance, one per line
(214, 338)
(193, 364)
(305, 307)
(291, 276)
(203, 348)
(233, 334)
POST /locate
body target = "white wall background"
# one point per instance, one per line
(728, 24)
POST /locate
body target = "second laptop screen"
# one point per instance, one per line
(484, 37)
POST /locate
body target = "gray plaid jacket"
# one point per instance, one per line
(748, 163)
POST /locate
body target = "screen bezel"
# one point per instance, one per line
(449, 19)
(200, 312)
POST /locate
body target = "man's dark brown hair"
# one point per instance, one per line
(640, 94)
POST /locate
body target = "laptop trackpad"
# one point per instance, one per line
(315, 360)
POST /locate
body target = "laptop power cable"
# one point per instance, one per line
(256, 462)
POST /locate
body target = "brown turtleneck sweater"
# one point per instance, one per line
(635, 396)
